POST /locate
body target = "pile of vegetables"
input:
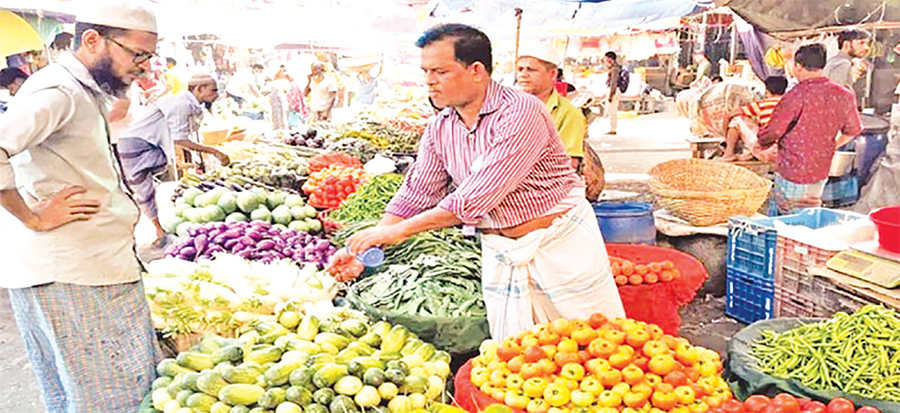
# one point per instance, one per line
(368, 202)
(601, 366)
(626, 272)
(383, 135)
(308, 138)
(787, 403)
(221, 205)
(340, 364)
(272, 173)
(257, 240)
(857, 354)
(226, 294)
(329, 187)
(326, 160)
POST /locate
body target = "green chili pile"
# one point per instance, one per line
(369, 201)
(858, 354)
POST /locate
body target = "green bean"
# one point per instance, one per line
(858, 354)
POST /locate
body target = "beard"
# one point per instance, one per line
(103, 74)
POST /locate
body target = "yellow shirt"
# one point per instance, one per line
(176, 82)
(570, 124)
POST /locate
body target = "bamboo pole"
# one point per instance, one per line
(518, 31)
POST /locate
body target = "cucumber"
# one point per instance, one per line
(371, 339)
(329, 374)
(305, 346)
(374, 377)
(245, 373)
(301, 377)
(265, 355)
(323, 396)
(211, 382)
(272, 398)
(201, 402)
(361, 348)
(395, 339)
(171, 368)
(381, 328)
(280, 372)
(315, 408)
(343, 404)
(345, 356)
(411, 346)
(232, 354)
(240, 409)
(243, 394)
(337, 340)
(161, 382)
(359, 365)
(356, 328)
(195, 361)
(308, 328)
(299, 395)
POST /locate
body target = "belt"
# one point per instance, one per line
(522, 230)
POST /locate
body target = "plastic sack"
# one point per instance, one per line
(745, 380)
(711, 106)
(380, 165)
(659, 303)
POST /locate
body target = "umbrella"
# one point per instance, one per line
(18, 36)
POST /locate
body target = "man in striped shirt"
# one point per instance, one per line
(543, 256)
(744, 123)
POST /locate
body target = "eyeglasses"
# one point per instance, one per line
(136, 57)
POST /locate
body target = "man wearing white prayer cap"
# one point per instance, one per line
(72, 271)
(536, 70)
(148, 147)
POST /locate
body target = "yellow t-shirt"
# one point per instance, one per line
(176, 82)
(570, 124)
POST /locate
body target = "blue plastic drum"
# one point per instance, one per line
(626, 222)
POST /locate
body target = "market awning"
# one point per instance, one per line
(786, 16)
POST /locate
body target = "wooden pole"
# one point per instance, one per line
(518, 31)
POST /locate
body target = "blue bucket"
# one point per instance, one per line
(626, 222)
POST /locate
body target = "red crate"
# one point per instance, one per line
(800, 294)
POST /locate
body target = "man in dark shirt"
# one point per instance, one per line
(810, 121)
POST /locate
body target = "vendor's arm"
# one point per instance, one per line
(25, 125)
(784, 115)
(193, 146)
(852, 127)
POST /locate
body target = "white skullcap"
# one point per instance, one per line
(543, 52)
(121, 14)
(201, 79)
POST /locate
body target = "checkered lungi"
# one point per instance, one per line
(788, 197)
(93, 348)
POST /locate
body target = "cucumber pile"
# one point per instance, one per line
(341, 364)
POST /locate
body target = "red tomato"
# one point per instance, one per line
(814, 407)
(756, 403)
(868, 409)
(786, 403)
(840, 405)
(732, 406)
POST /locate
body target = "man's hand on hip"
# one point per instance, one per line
(62, 208)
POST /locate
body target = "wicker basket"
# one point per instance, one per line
(706, 192)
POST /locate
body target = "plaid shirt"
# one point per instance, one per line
(509, 169)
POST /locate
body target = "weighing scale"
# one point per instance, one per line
(870, 262)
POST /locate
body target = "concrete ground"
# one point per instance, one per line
(641, 143)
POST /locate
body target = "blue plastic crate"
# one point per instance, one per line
(748, 298)
(752, 246)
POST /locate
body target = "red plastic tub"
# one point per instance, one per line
(887, 222)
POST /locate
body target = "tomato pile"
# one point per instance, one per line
(786, 403)
(331, 186)
(600, 366)
(626, 272)
(324, 161)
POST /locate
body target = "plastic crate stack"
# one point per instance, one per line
(750, 270)
(767, 274)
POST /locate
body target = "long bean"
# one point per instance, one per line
(858, 354)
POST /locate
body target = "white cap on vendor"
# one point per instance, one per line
(542, 52)
(201, 79)
(121, 14)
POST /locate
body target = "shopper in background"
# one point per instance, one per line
(11, 79)
(543, 255)
(535, 74)
(368, 85)
(73, 276)
(853, 44)
(147, 147)
(743, 124)
(242, 86)
(322, 91)
(704, 67)
(175, 83)
(612, 82)
(810, 121)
